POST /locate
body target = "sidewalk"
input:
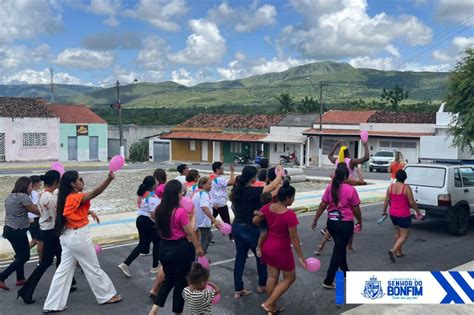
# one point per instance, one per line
(119, 228)
(47, 165)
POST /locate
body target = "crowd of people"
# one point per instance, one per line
(176, 218)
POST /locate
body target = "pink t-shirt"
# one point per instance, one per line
(159, 190)
(348, 198)
(178, 221)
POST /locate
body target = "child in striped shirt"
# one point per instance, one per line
(200, 292)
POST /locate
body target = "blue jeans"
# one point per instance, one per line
(245, 238)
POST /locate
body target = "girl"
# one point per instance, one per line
(17, 206)
(72, 223)
(34, 228)
(276, 251)
(160, 176)
(192, 183)
(200, 292)
(176, 253)
(342, 202)
(145, 225)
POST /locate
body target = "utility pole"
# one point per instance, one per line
(51, 72)
(119, 109)
(321, 85)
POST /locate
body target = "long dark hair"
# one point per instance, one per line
(248, 172)
(286, 191)
(65, 188)
(147, 184)
(342, 173)
(169, 202)
(21, 185)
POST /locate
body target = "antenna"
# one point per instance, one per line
(51, 71)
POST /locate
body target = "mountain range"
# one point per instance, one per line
(342, 83)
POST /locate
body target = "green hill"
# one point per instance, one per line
(62, 92)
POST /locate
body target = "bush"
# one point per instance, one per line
(139, 151)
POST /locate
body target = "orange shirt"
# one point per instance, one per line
(76, 214)
(395, 167)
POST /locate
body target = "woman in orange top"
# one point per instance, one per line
(72, 223)
(396, 165)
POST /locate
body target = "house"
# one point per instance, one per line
(28, 130)
(159, 149)
(82, 133)
(286, 137)
(208, 138)
(387, 130)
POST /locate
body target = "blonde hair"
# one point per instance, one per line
(203, 181)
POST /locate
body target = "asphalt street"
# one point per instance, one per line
(428, 248)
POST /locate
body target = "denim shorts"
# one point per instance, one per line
(402, 222)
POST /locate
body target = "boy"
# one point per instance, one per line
(219, 191)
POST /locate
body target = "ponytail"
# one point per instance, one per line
(148, 184)
(342, 173)
(248, 173)
(286, 191)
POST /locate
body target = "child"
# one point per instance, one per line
(266, 198)
(192, 183)
(200, 292)
(160, 176)
(34, 228)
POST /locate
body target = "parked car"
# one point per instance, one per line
(381, 160)
(444, 192)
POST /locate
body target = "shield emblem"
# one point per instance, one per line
(373, 289)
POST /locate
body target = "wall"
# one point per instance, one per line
(69, 130)
(440, 147)
(14, 129)
(180, 151)
(399, 127)
(284, 130)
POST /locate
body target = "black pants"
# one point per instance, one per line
(19, 241)
(176, 257)
(146, 234)
(341, 232)
(224, 213)
(52, 248)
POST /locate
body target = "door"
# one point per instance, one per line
(93, 148)
(217, 151)
(467, 176)
(72, 148)
(204, 151)
(2, 147)
(161, 151)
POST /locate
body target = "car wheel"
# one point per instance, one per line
(459, 222)
(371, 169)
(283, 162)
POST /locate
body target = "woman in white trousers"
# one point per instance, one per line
(72, 223)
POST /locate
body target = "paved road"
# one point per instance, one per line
(429, 248)
(153, 165)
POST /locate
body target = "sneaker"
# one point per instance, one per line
(329, 286)
(146, 254)
(154, 269)
(125, 270)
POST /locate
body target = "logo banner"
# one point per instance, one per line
(410, 287)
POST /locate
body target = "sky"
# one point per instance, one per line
(97, 42)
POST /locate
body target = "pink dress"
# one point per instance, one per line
(276, 250)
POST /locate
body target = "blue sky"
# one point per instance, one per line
(96, 42)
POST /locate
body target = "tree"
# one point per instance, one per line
(394, 97)
(286, 103)
(308, 105)
(460, 100)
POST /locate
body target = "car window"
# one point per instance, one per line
(467, 175)
(457, 178)
(384, 154)
(425, 176)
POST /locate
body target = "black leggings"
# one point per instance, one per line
(52, 248)
(19, 241)
(146, 234)
(341, 232)
(176, 257)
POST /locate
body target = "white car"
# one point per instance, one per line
(381, 160)
(444, 192)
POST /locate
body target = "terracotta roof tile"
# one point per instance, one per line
(216, 136)
(402, 118)
(75, 114)
(23, 107)
(220, 122)
(346, 117)
(356, 133)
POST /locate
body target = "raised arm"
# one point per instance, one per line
(273, 185)
(99, 189)
(232, 176)
(365, 158)
(331, 153)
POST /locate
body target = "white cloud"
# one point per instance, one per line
(153, 54)
(205, 46)
(461, 43)
(372, 63)
(28, 18)
(441, 56)
(454, 52)
(455, 11)
(342, 28)
(84, 59)
(182, 76)
(244, 19)
(427, 68)
(240, 56)
(12, 56)
(393, 50)
(125, 77)
(110, 8)
(159, 13)
(29, 76)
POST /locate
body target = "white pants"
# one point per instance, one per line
(77, 246)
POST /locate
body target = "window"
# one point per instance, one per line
(457, 178)
(328, 145)
(192, 145)
(275, 147)
(425, 176)
(467, 174)
(35, 140)
(235, 147)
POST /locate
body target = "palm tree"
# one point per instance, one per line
(286, 103)
(308, 105)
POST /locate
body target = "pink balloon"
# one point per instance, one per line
(187, 204)
(226, 228)
(116, 163)
(57, 166)
(357, 228)
(217, 297)
(364, 136)
(203, 261)
(312, 264)
(98, 248)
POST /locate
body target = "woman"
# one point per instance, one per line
(246, 199)
(17, 206)
(342, 202)
(400, 197)
(276, 250)
(51, 245)
(396, 165)
(160, 176)
(72, 224)
(145, 225)
(352, 164)
(176, 253)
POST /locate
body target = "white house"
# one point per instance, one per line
(159, 149)
(28, 130)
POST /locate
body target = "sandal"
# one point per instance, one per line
(54, 311)
(391, 256)
(266, 310)
(399, 255)
(319, 251)
(261, 289)
(244, 292)
(115, 299)
(329, 286)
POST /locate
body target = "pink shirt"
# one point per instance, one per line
(178, 221)
(159, 190)
(348, 164)
(348, 198)
(399, 204)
